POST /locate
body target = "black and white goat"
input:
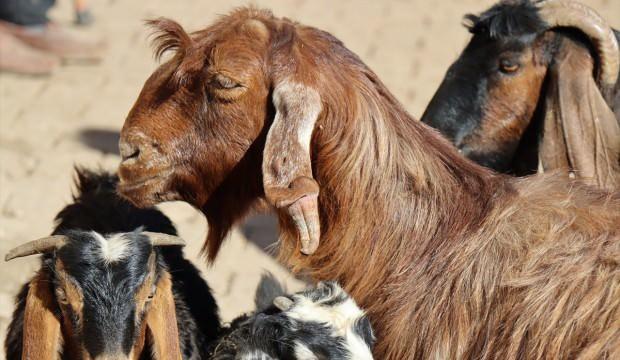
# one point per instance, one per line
(108, 291)
(323, 322)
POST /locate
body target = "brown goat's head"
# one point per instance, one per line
(232, 93)
(207, 89)
(520, 53)
(99, 297)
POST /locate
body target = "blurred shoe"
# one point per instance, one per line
(59, 41)
(84, 18)
(17, 57)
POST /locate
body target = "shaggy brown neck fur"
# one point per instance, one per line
(391, 173)
(233, 199)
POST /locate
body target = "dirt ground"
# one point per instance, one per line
(47, 125)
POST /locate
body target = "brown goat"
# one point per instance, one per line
(449, 259)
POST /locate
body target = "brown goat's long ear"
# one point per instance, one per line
(581, 133)
(161, 322)
(287, 170)
(42, 335)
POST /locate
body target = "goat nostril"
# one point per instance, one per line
(134, 154)
(128, 151)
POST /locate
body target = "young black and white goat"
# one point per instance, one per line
(126, 294)
(319, 323)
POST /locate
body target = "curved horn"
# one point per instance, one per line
(572, 14)
(38, 246)
(161, 239)
(283, 303)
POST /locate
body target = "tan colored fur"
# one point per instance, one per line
(162, 323)
(42, 338)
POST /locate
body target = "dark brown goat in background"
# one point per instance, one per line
(449, 259)
(536, 89)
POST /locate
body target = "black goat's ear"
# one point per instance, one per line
(267, 290)
(42, 334)
(581, 133)
(363, 329)
(161, 322)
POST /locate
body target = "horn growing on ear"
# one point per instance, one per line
(161, 239)
(565, 13)
(161, 321)
(38, 246)
(581, 133)
(42, 335)
(287, 169)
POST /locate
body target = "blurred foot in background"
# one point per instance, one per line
(17, 57)
(31, 44)
(83, 16)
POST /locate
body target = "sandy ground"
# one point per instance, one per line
(49, 124)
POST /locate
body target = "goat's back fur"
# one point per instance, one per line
(540, 279)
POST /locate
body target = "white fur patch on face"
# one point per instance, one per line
(114, 248)
(303, 353)
(341, 317)
(255, 355)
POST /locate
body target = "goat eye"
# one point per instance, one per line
(508, 66)
(152, 294)
(61, 296)
(224, 82)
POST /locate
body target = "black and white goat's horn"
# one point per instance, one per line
(161, 239)
(283, 303)
(564, 13)
(38, 246)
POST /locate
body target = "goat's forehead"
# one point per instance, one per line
(237, 50)
(114, 248)
(491, 46)
(228, 30)
(117, 254)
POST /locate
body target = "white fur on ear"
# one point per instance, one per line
(287, 167)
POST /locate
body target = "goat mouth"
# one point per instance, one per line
(144, 190)
(125, 185)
